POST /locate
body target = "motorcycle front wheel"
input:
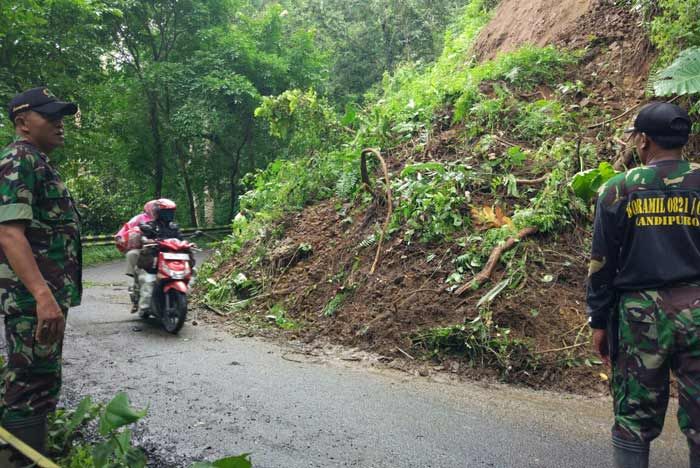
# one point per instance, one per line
(174, 311)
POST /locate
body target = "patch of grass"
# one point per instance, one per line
(335, 304)
(281, 319)
(483, 343)
(94, 255)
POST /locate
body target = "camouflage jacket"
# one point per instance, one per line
(32, 191)
(646, 234)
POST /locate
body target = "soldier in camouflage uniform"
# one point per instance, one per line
(644, 286)
(40, 263)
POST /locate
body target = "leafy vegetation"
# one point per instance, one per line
(94, 255)
(482, 342)
(681, 77)
(114, 449)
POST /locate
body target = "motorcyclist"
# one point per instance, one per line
(162, 226)
(128, 239)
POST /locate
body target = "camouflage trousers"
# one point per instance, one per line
(659, 332)
(32, 375)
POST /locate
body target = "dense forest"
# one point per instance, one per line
(168, 89)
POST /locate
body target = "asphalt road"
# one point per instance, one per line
(211, 394)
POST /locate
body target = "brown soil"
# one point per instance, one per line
(536, 22)
(381, 312)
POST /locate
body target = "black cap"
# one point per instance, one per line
(662, 119)
(39, 100)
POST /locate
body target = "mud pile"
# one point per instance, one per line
(381, 312)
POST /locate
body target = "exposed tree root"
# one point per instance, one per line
(485, 274)
(389, 204)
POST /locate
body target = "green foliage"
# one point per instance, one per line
(291, 185)
(482, 342)
(241, 461)
(431, 200)
(80, 456)
(304, 120)
(364, 38)
(280, 316)
(63, 425)
(116, 450)
(677, 27)
(521, 69)
(551, 209)
(335, 304)
(478, 249)
(94, 255)
(681, 77)
(586, 183)
(414, 92)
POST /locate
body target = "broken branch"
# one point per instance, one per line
(559, 349)
(485, 274)
(537, 181)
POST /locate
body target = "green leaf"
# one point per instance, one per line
(80, 414)
(429, 166)
(135, 458)
(101, 453)
(350, 114)
(682, 76)
(118, 413)
(586, 183)
(240, 461)
(123, 440)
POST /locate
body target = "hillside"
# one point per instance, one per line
(478, 151)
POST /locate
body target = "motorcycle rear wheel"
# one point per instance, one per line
(173, 317)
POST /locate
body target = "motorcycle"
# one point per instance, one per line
(161, 289)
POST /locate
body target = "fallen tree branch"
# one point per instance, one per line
(406, 354)
(577, 345)
(537, 181)
(600, 124)
(390, 207)
(485, 274)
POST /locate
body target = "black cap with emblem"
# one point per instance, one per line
(39, 100)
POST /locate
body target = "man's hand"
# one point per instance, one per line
(15, 245)
(51, 321)
(600, 342)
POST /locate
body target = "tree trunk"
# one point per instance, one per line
(188, 184)
(233, 175)
(157, 143)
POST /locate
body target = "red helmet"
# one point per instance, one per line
(164, 209)
(148, 208)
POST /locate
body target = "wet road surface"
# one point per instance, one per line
(211, 394)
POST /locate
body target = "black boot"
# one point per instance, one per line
(630, 454)
(32, 431)
(694, 456)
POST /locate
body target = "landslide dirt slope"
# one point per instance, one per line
(408, 292)
(537, 22)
